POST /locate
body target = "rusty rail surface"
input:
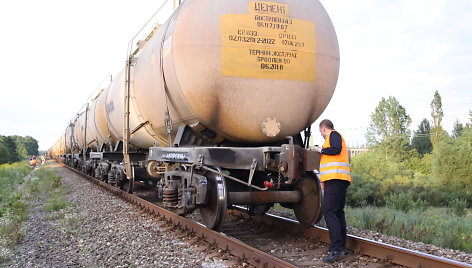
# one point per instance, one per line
(235, 247)
(393, 254)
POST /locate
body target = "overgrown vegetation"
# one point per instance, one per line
(419, 189)
(17, 148)
(15, 192)
(13, 210)
(435, 226)
(393, 168)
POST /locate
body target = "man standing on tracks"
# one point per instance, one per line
(335, 178)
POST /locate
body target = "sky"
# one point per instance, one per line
(55, 54)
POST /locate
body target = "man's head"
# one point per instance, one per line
(326, 126)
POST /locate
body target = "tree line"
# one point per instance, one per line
(17, 148)
(426, 167)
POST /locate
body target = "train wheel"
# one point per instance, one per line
(124, 183)
(129, 185)
(308, 211)
(213, 214)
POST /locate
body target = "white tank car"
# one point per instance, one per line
(103, 134)
(235, 67)
(237, 81)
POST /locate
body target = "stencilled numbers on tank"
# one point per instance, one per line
(247, 32)
(268, 43)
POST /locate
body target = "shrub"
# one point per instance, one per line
(401, 201)
(452, 168)
(362, 192)
(458, 207)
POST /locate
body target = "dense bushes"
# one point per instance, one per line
(416, 197)
(16, 148)
(436, 179)
(363, 192)
(418, 191)
(452, 165)
(458, 207)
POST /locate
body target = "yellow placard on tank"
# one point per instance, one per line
(267, 43)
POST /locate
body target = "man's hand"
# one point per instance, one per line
(318, 149)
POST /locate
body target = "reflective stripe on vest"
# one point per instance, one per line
(335, 166)
(332, 171)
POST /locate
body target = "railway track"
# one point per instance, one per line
(251, 237)
(389, 254)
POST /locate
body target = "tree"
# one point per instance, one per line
(437, 115)
(17, 148)
(4, 153)
(25, 146)
(9, 142)
(452, 166)
(22, 151)
(388, 129)
(457, 130)
(469, 124)
(421, 139)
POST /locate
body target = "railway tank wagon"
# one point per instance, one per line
(211, 105)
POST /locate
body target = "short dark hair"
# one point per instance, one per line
(327, 123)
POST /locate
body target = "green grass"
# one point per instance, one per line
(437, 226)
(55, 204)
(448, 227)
(71, 224)
(13, 210)
(15, 192)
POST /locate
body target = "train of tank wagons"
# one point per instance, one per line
(214, 109)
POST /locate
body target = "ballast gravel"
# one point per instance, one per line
(101, 230)
(417, 246)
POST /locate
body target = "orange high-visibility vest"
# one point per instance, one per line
(335, 166)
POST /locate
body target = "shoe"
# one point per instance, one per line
(333, 256)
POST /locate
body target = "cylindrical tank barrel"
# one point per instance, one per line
(69, 138)
(103, 134)
(79, 130)
(253, 72)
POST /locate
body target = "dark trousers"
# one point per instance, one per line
(333, 210)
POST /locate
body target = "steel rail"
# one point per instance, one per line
(393, 254)
(235, 247)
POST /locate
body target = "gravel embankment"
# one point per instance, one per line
(105, 231)
(418, 246)
(102, 230)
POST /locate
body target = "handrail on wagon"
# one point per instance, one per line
(131, 42)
